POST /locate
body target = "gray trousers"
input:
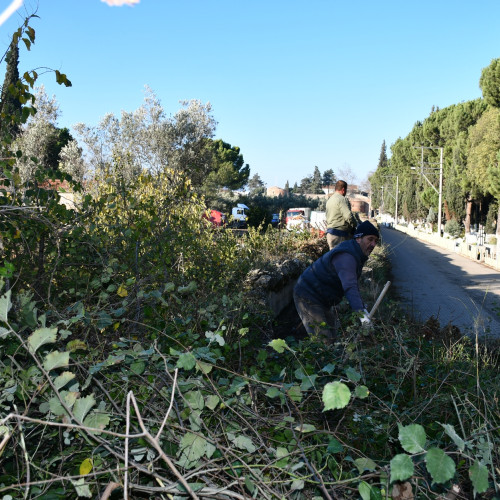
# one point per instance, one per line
(318, 321)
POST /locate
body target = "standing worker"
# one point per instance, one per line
(340, 221)
(335, 274)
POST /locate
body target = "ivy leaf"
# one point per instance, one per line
(440, 466)
(401, 467)
(83, 406)
(5, 305)
(353, 375)
(279, 345)
(96, 420)
(336, 395)
(412, 438)
(450, 430)
(186, 360)
(361, 391)
(55, 360)
(478, 474)
(40, 337)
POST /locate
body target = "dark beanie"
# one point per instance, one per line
(365, 229)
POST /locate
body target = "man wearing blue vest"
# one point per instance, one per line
(334, 275)
(340, 221)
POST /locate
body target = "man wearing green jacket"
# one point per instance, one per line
(339, 218)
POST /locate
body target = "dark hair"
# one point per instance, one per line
(339, 185)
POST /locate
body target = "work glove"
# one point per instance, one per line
(366, 322)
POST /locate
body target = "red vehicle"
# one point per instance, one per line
(216, 218)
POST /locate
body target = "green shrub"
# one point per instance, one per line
(453, 228)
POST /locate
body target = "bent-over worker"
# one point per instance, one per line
(334, 275)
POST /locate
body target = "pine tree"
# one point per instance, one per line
(10, 106)
(287, 189)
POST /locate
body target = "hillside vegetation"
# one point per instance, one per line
(134, 362)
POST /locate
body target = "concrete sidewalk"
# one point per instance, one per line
(484, 254)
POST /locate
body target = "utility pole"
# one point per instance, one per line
(422, 174)
(395, 198)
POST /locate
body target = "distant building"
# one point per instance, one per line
(360, 203)
(275, 191)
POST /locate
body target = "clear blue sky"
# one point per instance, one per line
(294, 84)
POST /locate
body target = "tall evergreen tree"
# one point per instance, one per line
(490, 83)
(10, 106)
(316, 181)
(287, 189)
(382, 160)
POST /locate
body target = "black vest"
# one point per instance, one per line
(320, 283)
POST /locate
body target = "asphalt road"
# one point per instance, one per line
(432, 281)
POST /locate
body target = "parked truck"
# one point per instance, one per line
(239, 216)
(298, 219)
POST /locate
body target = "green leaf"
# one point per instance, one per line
(364, 490)
(401, 467)
(336, 395)
(138, 367)
(450, 430)
(5, 305)
(212, 401)
(279, 345)
(334, 446)
(305, 428)
(96, 420)
(41, 337)
(55, 360)
(243, 443)
(478, 475)
(195, 400)
(297, 484)
(63, 379)
(76, 345)
(294, 393)
(273, 392)
(82, 489)
(83, 406)
(365, 464)
(205, 368)
(361, 391)
(192, 448)
(440, 466)
(186, 360)
(412, 438)
(353, 375)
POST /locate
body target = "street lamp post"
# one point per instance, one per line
(422, 173)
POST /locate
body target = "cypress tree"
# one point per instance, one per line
(10, 106)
